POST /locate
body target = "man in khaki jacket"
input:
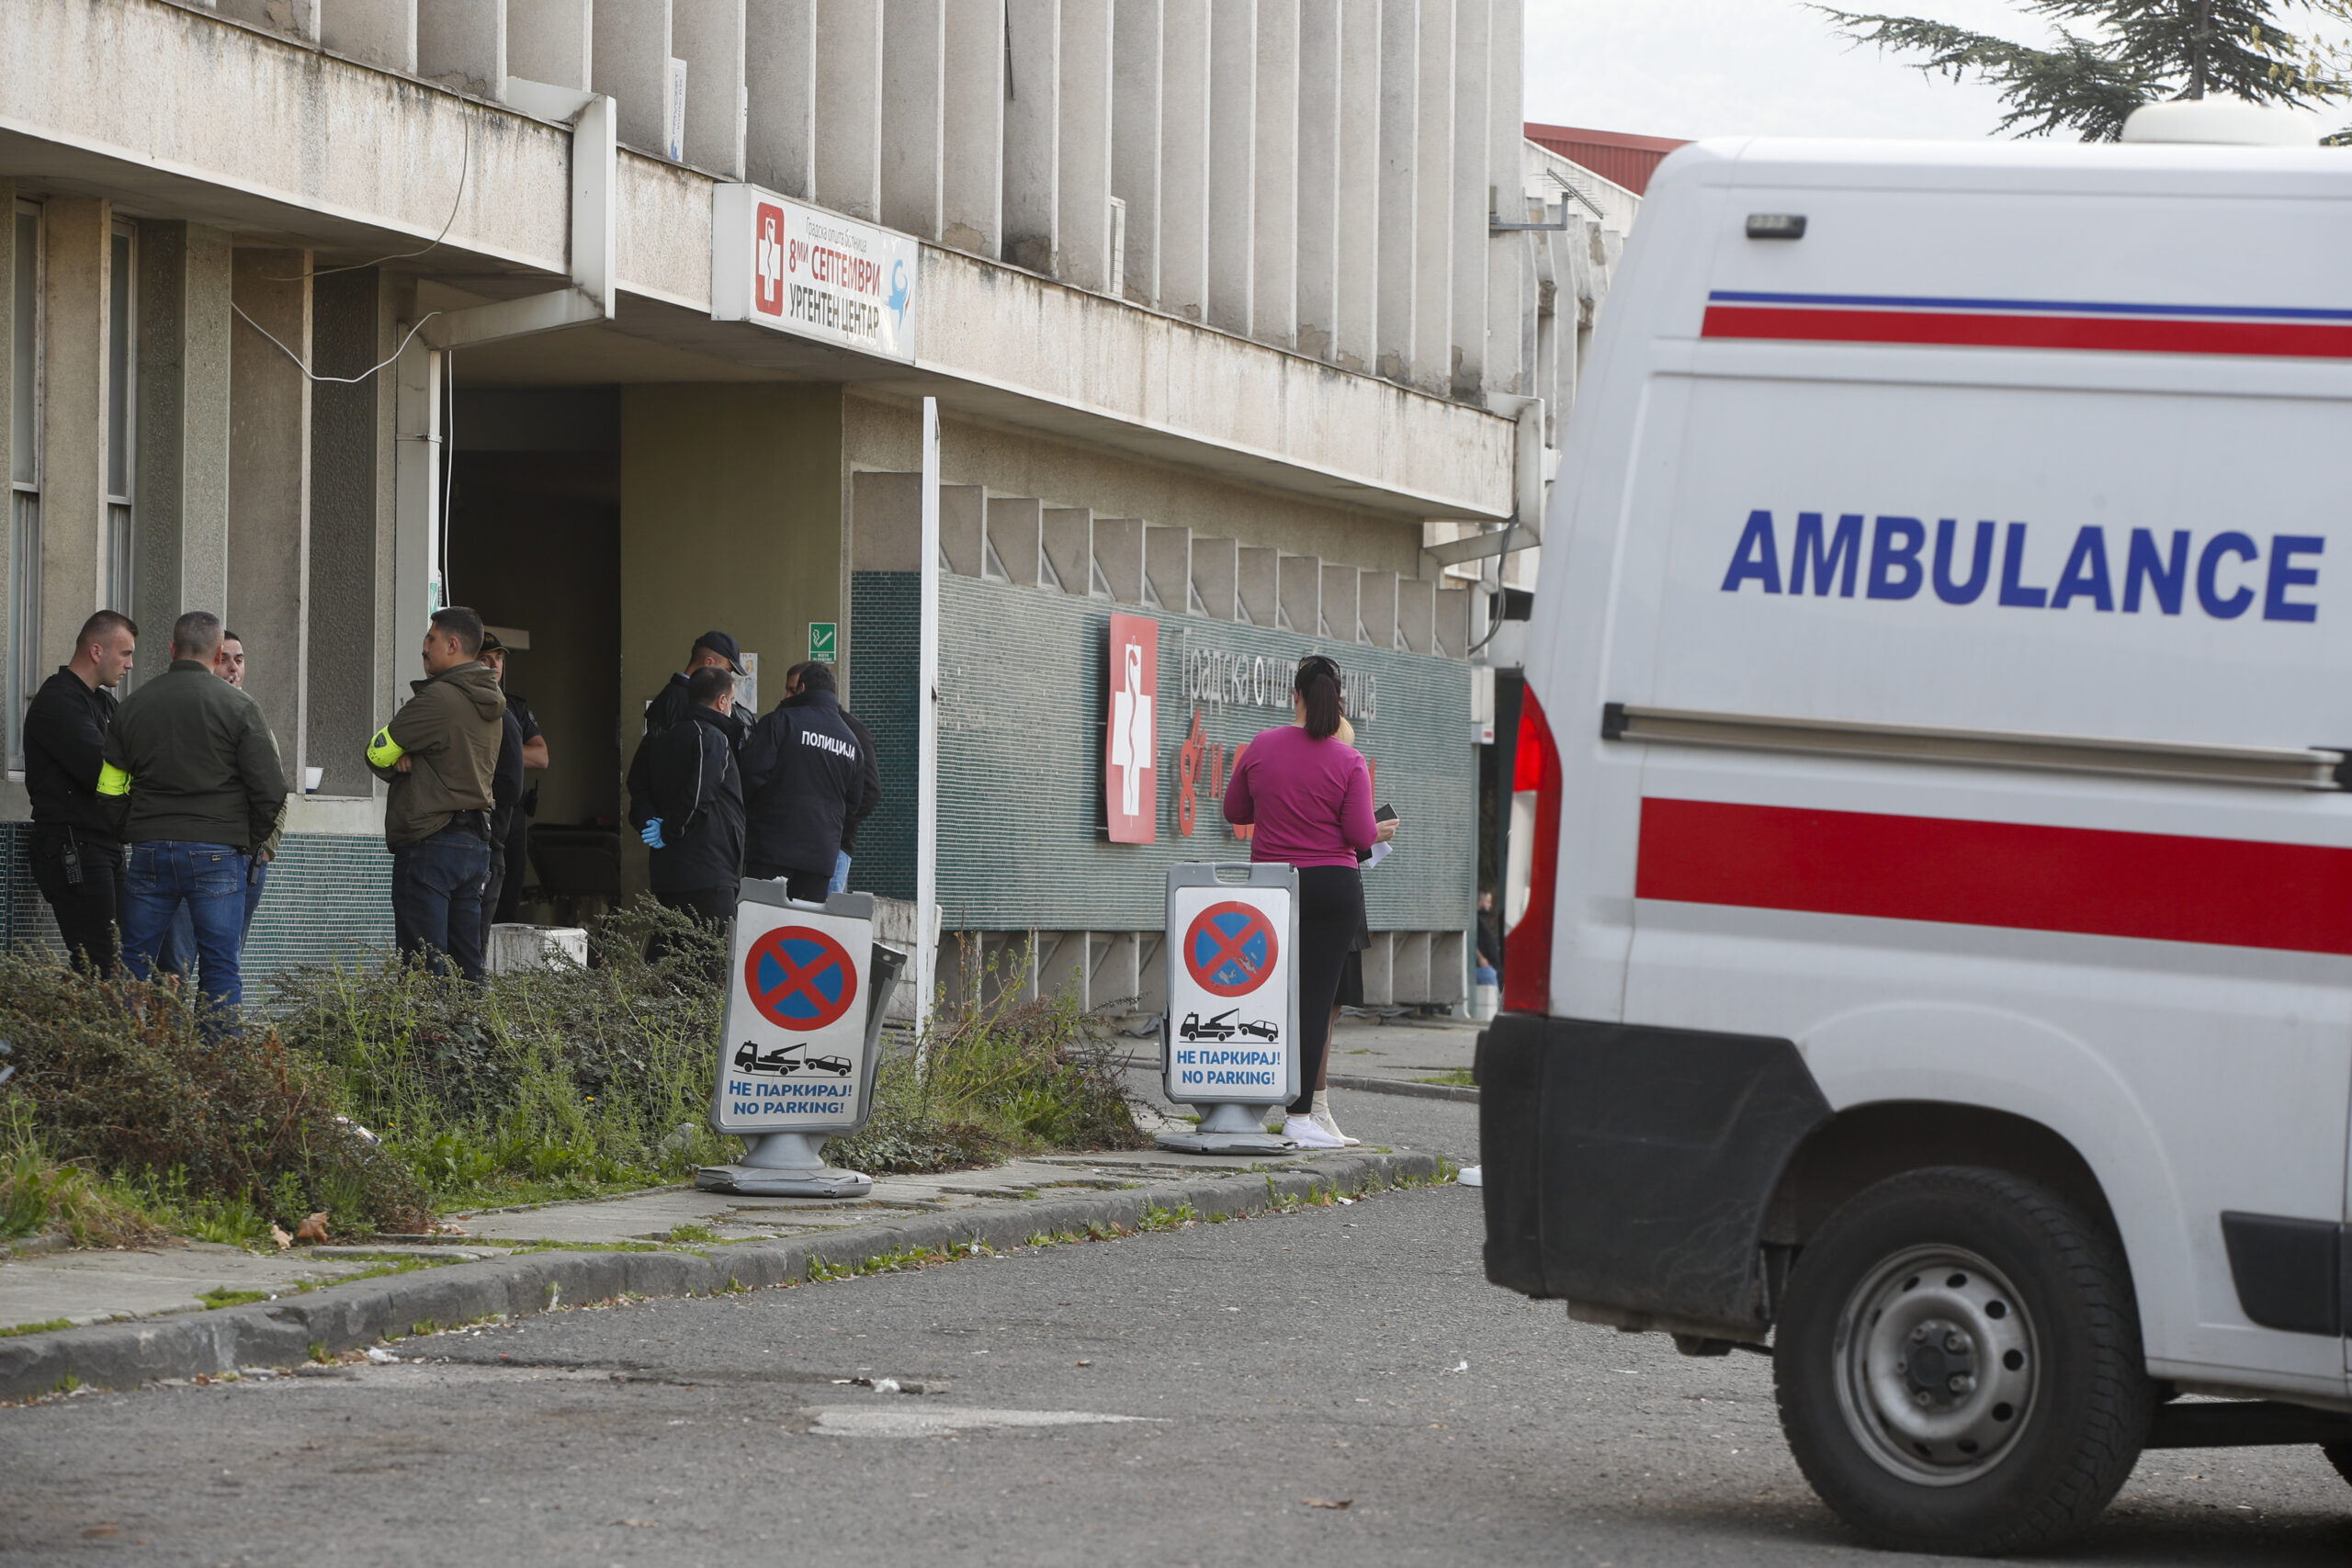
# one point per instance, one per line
(438, 754)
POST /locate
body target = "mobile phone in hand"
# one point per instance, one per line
(1384, 814)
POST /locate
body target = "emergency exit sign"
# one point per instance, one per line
(824, 641)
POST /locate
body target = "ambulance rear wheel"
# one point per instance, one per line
(2340, 1456)
(1958, 1364)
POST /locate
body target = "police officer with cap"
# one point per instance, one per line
(804, 775)
(670, 704)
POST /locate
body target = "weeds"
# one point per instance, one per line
(51, 1324)
(223, 1296)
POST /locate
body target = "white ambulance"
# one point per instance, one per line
(1930, 945)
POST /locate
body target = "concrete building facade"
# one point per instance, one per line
(1256, 317)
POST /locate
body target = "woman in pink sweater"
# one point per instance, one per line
(1310, 795)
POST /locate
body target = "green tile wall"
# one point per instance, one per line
(1021, 705)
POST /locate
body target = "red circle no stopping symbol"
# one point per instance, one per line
(799, 979)
(1229, 949)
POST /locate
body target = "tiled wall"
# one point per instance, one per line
(1022, 683)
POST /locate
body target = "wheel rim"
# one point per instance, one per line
(1937, 1365)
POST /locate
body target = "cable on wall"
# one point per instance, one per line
(337, 380)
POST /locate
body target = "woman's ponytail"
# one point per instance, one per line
(1318, 687)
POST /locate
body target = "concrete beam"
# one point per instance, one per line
(1433, 224)
(76, 234)
(849, 89)
(1257, 584)
(1341, 605)
(269, 487)
(1446, 967)
(1401, 152)
(972, 158)
(780, 84)
(630, 56)
(1473, 177)
(1184, 120)
(963, 524)
(1014, 524)
(1233, 161)
(886, 521)
(546, 40)
(378, 32)
(1216, 576)
(1168, 567)
(1300, 583)
(1417, 615)
(1082, 175)
(1409, 968)
(1273, 289)
(1380, 971)
(1064, 966)
(1118, 552)
(1116, 977)
(1511, 318)
(1138, 38)
(710, 37)
(1033, 136)
(1377, 607)
(914, 85)
(182, 418)
(1320, 25)
(341, 632)
(1453, 634)
(1067, 533)
(463, 44)
(1356, 300)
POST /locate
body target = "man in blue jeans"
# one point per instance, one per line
(439, 754)
(191, 771)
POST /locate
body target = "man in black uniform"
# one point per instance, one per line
(711, 651)
(506, 787)
(510, 858)
(803, 776)
(690, 811)
(815, 675)
(78, 859)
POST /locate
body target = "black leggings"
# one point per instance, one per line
(1331, 910)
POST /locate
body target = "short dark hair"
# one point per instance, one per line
(457, 621)
(707, 684)
(195, 635)
(228, 634)
(102, 624)
(814, 675)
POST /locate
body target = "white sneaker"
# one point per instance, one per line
(1323, 1118)
(1308, 1133)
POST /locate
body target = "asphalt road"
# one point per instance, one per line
(1172, 1398)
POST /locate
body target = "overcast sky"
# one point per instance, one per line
(1694, 68)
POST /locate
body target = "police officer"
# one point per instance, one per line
(815, 675)
(711, 651)
(691, 811)
(78, 859)
(803, 776)
(510, 857)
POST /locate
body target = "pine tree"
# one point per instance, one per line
(2130, 53)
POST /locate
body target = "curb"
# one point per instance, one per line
(281, 1332)
(1403, 1086)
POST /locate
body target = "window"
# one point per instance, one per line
(122, 404)
(24, 479)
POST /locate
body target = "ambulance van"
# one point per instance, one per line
(1929, 897)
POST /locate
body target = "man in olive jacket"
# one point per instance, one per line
(439, 754)
(190, 773)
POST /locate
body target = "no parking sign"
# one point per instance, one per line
(1232, 985)
(794, 1056)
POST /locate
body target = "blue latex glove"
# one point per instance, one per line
(651, 834)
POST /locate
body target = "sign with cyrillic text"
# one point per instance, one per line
(803, 270)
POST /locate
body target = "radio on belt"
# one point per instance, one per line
(807, 985)
(1229, 1045)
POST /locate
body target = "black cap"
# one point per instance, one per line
(726, 646)
(489, 643)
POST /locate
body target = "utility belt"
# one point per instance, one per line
(474, 822)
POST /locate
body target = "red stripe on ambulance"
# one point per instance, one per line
(2121, 335)
(2091, 881)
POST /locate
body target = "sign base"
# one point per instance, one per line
(1229, 1129)
(784, 1165)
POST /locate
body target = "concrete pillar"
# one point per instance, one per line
(1400, 148)
(780, 83)
(631, 65)
(1064, 965)
(1377, 607)
(1432, 223)
(1118, 555)
(183, 346)
(338, 701)
(1320, 25)
(1257, 585)
(972, 158)
(1233, 158)
(1135, 93)
(1341, 585)
(1013, 523)
(1033, 136)
(1273, 292)
(849, 95)
(1168, 567)
(548, 40)
(1355, 310)
(375, 32)
(914, 80)
(963, 527)
(1184, 117)
(1300, 583)
(1410, 969)
(1216, 576)
(1417, 615)
(1452, 634)
(1067, 534)
(269, 487)
(1446, 969)
(1474, 179)
(1380, 971)
(709, 36)
(463, 43)
(1151, 972)
(77, 239)
(1082, 175)
(1114, 979)
(886, 521)
(1510, 316)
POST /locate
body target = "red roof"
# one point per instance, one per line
(1613, 155)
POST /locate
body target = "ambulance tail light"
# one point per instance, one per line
(1530, 881)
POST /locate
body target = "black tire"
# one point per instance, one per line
(2340, 1456)
(1990, 1395)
